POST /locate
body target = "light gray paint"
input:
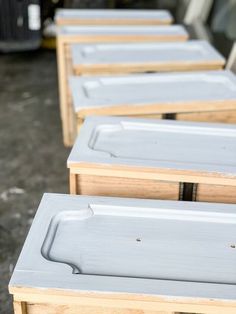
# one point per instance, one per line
(156, 143)
(193, 238)
(169, 30)
(145, 89)
(84, 14)
(193, 51)
(144, 243)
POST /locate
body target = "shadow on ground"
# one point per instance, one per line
(32, 156)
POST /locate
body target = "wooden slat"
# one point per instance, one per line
(49, 304)
(74, 309)
(112, 69)
(20, 307)
(73, 183)
(64, 69)
(226, 116)
(216, 193)
(138, 188)
(70, 115)
(112, 17)
(124, 187)
(62, 81)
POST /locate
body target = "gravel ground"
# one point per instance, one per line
(32, 156)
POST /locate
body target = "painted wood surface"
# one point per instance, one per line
(154, 93)
(135, 57)
(90, 34)
(210, 97)
(193, 147)
(112, 17)
(36, 279)
(125, 31)
(143, 243)
(156, 159)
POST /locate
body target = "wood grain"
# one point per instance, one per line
(73, 183)
(216, 193)
(67, 305)
(188, 107)
(147, 116)
(146, 173)
(74, 309)
(68, 117)
(20, 307)
(112, 69)
(74, 21)
(141, 188)
(64, 70)
(62, 302)
(226, 116)
(124, 187)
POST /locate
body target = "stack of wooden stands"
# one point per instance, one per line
(150, 228)
(115, 31)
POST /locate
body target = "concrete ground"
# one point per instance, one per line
(32, 156)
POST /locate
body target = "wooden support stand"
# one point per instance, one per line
(68, 36)
(119, 168)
